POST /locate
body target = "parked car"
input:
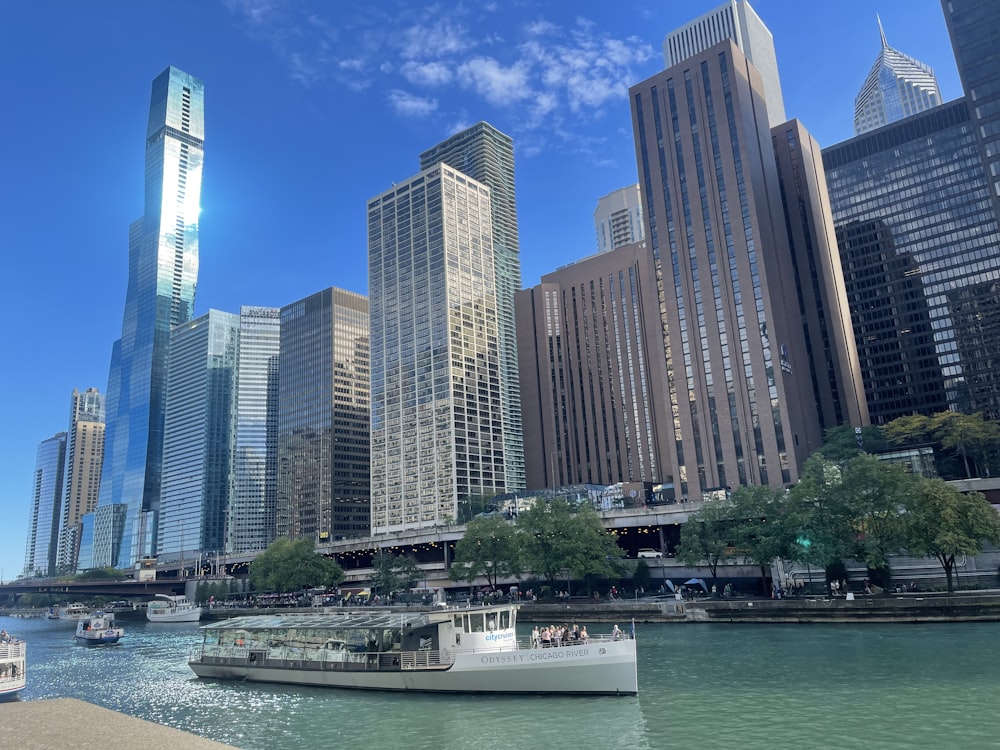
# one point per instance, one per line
(649, 552)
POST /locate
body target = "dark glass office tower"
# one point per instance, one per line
(46, 505)
(973, 25)
(486, 155)
(163, 271)
(919, 245)
(323, 438)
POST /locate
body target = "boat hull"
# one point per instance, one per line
(605, 668)
(101, 639)
(191, 615)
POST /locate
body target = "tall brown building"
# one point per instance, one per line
(742, 375)
(82, 474)
(591, 359)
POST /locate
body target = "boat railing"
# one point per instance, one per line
(294, 657)
(13, 650)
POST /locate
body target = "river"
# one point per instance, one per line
(739, 687)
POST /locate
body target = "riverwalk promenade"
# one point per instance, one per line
(71, 723)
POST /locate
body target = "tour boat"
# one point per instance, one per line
(75, 611)
(474, 650)
(12, 664)
(167, 608)
(98, 629)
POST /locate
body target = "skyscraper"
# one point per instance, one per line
(737, 21)
(46, 504)
(250, 516)
(736, 353)
(438, 431)
(486, 155)
(618, 219)
(920, 263)
(324, 418)
(84, 458)
(972, 25)
(591, 356)
(198, 436)
(896, 87)
(163, 272)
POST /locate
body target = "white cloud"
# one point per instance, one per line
(495, 83)
(426, 74)
(409, 105)
(440, 39)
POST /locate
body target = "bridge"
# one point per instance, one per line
(73, 590)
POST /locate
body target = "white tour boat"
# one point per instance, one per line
(472, 650)
(98, 629)
(12, 663)
(167, 608)
(75, 611)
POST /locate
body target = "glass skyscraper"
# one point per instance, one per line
(896, 87)
(46, 504)
(323, 418)
(486, 155)
(198, 437)
(250, 517)
(918, 241)
(163, 271)
(437, 431)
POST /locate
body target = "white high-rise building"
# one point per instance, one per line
(896, 87)
(437, 431)
(735, 20)
(618, 219)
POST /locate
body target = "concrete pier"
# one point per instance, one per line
(71, 723)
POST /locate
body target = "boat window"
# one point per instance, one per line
(476, 621)
(458, 622)
(505, 619)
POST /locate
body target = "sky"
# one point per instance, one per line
(311, 109)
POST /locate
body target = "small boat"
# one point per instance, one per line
(75, 611)
(167, 608)
(98, 629)
(52, 614)
(473, 650)
(12, 665)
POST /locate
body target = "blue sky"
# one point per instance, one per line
(311, 109)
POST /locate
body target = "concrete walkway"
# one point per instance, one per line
(71, 723)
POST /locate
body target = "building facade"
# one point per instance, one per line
(486, 155)
(198, 437)
(46, 505)
(84, 459)
(437, 432)
(323, 418)
(736, 354)
(163, 272)
(737, 21)
(918, 237)
(591, 357)
(618, 219)
(250, 516)
(896, 87)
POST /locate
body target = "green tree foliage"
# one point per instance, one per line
(945, 522)
(642, 576)
(288, 565)
(394, 573)
(557, 539)
(102, 574)
(490, 548)
(970, 438)
(708, 536)
(841, 443)
(760, 529)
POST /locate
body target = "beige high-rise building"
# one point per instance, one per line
(84, 460)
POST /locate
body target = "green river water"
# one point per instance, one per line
(700, 686)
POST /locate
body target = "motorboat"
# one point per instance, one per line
(75, 611)
(98, 629)
(13, 653)
(167, 608)
(471, 650)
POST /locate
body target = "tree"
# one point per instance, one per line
(490, 548)
(945, 522)
(841, 443)
(641, 577)
(760, 531)
(393, 573)
(708, 536)
(288, 565)
(557, 538)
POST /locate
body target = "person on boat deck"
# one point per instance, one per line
(536, 639)
(583, 634)
(616, 633)
(4, 638)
